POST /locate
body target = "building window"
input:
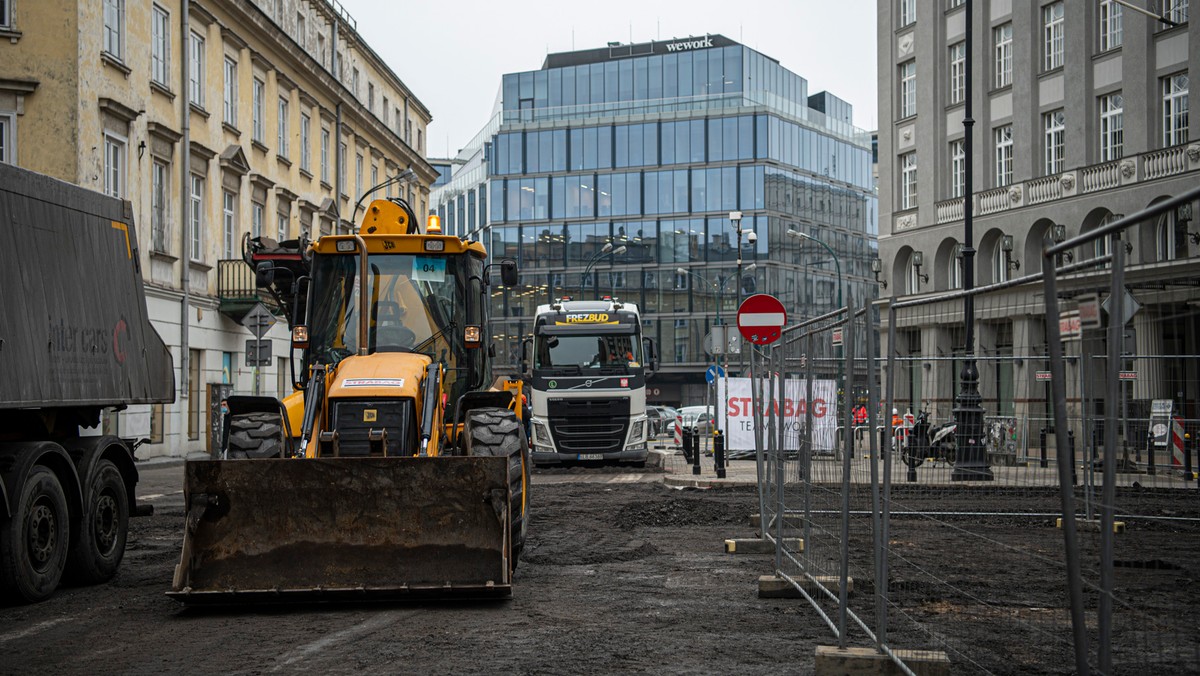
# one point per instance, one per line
(913, 278)
(1171, 233)
(228, 223)
(301, 32)
(908, 12)
(305, 151)
(160, 200)
(5, 14)
(341, 168)
(354, 82)
(257, 133)
(371, 97)
(114, 166)
(196, 218)
(282, 141)
(1175, 109)
(954, 3)
(999, 265)
(958, 72)
(281, 227)
(956, 267)
(908, 181)
(420, 145)
(8, 138)
(160, 46)
(1110, 25)
(958, 168)
(324, 155)
(1112, 127)
(114, 28)
(231, 92)
(1177, 11)
(1052, 35)
(1002, 39)
(257, 212)
(908, 89)
(1004, 155)
(358, 175)
(196, 70)
(321, 50)
(1055, 124)
(374, 176)
(385, 111)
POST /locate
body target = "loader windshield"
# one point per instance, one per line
(416, 303)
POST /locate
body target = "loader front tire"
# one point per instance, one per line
(255, 435)
(496, 432)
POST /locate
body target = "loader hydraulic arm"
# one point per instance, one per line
(314, 397)
(433, 378)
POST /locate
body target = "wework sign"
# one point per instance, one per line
(687, 45)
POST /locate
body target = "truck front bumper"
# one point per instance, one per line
(543, 457)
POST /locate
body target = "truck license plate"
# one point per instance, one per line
(591, 456)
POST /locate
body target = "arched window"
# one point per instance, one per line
(955, 272)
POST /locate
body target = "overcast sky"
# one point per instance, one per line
(452, 53)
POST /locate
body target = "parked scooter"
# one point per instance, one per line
(932, 442)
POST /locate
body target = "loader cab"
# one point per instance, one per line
(415, 300)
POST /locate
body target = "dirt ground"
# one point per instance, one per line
(620, 573)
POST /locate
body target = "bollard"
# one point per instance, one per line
(687, 446)
(1187, 459)
(1150, 453)
(719, 454)
(1042, 443)
(1071, 444)
(696, 453)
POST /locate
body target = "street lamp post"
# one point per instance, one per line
(606, 250)
(971, 463)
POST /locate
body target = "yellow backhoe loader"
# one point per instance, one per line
(391, 471)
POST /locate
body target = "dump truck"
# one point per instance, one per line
(75, 342)
(394, 470)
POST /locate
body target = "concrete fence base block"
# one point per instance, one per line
(771, 587)
(1091, 526)
(867, 662)
(761, 546)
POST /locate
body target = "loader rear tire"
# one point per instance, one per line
(34, 542)
(255, 435)
(496, 432)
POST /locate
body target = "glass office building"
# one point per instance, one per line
(648, 148)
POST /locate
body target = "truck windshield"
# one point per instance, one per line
(588, 351)
(416, 303)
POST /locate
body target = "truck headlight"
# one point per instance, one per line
(541, 435)
(637, 432)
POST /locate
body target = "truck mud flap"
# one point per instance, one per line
(344, 529)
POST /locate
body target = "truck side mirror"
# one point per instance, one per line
(264, 274)
(525, 347)
(651, 351)
(508, 272)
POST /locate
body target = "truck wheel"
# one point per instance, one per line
(255, 435)
(98, 550)
(34, 542)
(496, 432)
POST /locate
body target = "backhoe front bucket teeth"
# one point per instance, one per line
(335, 529)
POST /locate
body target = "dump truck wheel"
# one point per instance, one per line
(255, 435)
(496, 432)
(98, 550)
(34, 542)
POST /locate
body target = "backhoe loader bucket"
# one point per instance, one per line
(338, 529)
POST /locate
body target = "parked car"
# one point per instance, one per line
(697, 419)
(662, 420)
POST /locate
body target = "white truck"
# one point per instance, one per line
(588, 383)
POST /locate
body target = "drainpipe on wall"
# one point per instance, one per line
(184, 212)
(340, 162)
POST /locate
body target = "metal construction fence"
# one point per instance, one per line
(1053, 526)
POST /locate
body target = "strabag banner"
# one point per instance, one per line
(793, 407)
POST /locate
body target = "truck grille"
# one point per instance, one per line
(354, 419)
(589, 425)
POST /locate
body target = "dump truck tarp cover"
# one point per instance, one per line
(73, 324)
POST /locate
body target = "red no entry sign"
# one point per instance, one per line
(760, 318)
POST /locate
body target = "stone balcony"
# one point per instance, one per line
(1148, 166)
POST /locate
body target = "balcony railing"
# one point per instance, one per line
(236, 290)
(1147, 166)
